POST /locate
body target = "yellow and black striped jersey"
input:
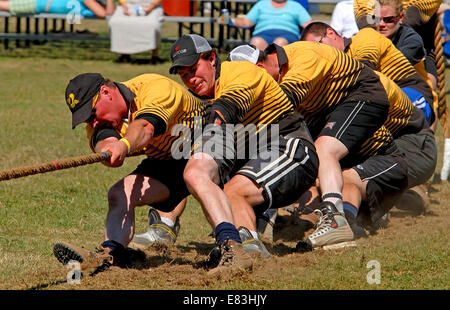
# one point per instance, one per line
(420, 69)
(403, 117)
(255, 96)
(319, 77)
(365, 9)
(374, 49)
(379, 141)
(159, 97)
(400, 109)
(426, 8)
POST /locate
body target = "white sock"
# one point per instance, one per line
(167, 221)
(334, 200)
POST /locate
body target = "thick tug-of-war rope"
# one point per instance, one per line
(440, 65)
(54, 165)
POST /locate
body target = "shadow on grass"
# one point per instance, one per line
(155, 256)
(47, 285)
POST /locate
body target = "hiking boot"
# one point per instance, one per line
(232, 257)
(266, 222)
(332, 232)
(214, 257)
(157, 231)
(89, 261)
(251, 244)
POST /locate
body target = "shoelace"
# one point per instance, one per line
(99, 250)
(325, 221)
(227, 253)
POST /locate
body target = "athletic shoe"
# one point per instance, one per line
(266, 222)
(89, 261)
(232, 258)
(332, 232)
(157, 231)
(251, 244)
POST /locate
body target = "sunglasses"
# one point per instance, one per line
(386, 19)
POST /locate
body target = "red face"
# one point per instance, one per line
(200, 78)
(388, 21)
(109, 109)
(330, 38)
(271, 66)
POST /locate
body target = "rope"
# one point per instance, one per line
(54, 165)
(440, 65)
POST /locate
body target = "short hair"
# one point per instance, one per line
(316, 28)
(397, 4)
(109, 83)
(207, 54)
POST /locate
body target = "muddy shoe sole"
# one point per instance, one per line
(64, 254)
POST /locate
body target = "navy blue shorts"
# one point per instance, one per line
(270, 35)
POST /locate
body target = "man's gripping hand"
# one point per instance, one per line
(118, 149)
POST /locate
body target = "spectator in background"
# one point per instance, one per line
(135, 27)
(404, 38)
(304, 3)
(343, 19)
(87, 8)
(275, 21)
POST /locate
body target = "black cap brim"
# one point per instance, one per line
(81, 115)
(185, 61)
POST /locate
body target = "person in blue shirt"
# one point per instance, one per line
(87, 8)
(275, 21)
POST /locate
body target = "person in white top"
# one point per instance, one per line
(343, 19)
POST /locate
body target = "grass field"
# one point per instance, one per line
(38, 211)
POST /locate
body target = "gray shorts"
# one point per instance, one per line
(421, 156)
(387, 179)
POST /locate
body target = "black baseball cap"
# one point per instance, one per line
(79, 94)
(186, 51)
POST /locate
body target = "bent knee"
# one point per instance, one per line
(259, 43)
(281, 41)
(116, 193)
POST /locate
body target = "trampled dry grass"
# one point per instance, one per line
(38, 211)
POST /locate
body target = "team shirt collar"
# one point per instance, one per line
(347, 42)
(128, 96)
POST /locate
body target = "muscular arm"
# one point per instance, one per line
(138, 134)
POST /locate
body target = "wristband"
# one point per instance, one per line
(231, 21)
(127, 143)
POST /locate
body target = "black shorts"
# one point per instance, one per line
(421, 152)
(283, 162)
(287, 176)
(170, 173)
(387, 177)
(284, 168)
(354, 122)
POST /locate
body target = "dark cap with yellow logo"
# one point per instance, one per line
(79, 94)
